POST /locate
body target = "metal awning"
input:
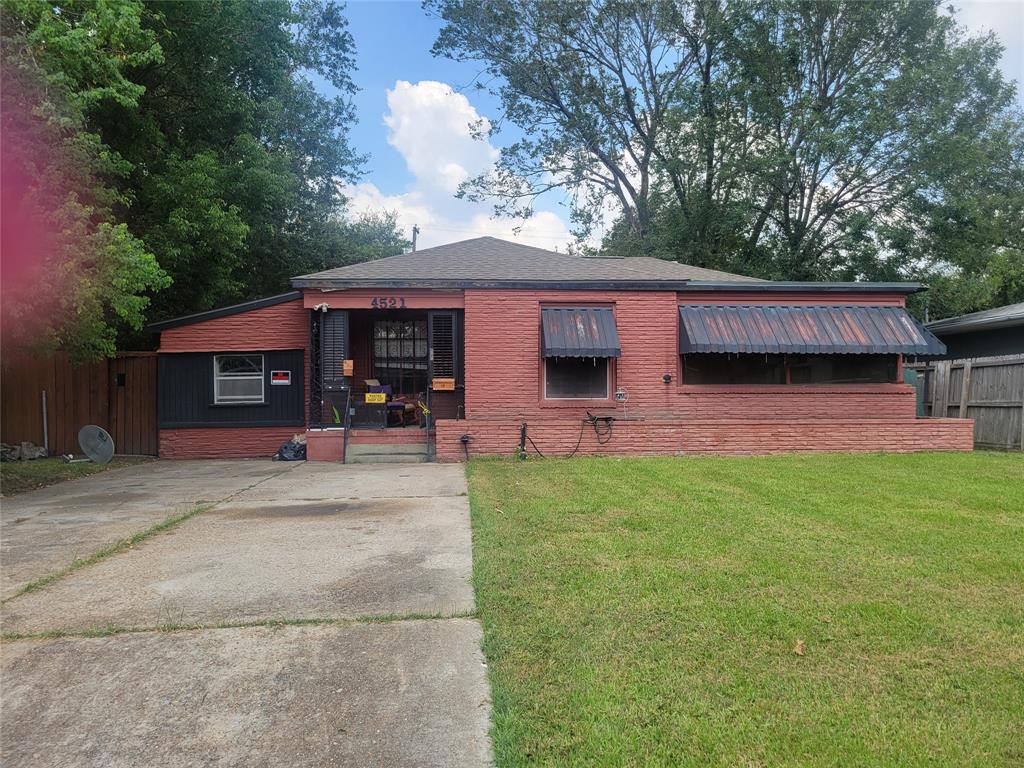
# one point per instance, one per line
(579, 332)
(804, 330)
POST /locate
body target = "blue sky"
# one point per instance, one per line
(414, 110)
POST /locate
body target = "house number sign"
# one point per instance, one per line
(388, 302)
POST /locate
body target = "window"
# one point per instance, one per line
(576, 378)
(400, 355)
(841, 369)
(237, 379)
(710, 368)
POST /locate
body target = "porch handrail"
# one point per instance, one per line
(346, 424)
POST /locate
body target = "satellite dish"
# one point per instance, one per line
(96, 444)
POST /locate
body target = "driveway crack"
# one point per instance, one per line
(169, 628)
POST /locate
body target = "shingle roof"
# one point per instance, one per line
(1000, 317)
(488, 261)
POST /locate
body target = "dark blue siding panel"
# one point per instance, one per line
(185, 393)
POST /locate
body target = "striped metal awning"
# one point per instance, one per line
(579, 332)
(804, 330)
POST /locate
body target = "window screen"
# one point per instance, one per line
(707, 368)
(841, 369)
(576, 378)
(710, 368)
(238, 379)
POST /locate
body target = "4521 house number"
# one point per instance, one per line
(387, 302)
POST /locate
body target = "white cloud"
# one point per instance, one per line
(432, 127)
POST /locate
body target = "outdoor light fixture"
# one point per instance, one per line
(667, 378)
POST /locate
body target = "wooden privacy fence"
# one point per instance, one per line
(118, 394)
(989, 390)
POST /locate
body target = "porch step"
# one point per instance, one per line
(387, 453)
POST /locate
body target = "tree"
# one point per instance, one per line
(71, 272)
(237, 161)
(147, 141)
(786, 139)
(971, 248)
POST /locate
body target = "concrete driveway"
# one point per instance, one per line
(45, 530)
(315, 615)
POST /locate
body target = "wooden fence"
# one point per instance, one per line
(118, 394)
(989, 390)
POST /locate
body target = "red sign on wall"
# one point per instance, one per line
(281, 377)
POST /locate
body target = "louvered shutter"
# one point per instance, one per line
(333, 345)
(443, 332)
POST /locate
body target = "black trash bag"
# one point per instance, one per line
(291, 451)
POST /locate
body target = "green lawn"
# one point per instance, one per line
(649, 611)
(21, 476)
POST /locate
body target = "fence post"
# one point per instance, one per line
(965, 390)
(940, 405)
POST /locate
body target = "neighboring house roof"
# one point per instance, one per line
(490, 262)
(1000, 317)
(234, 309)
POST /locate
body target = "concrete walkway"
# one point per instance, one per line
(310, 614)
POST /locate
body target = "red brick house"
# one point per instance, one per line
(486, 347)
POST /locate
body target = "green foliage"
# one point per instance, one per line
(73, 272)
(245, 180)
(783, 139)
(184, 155)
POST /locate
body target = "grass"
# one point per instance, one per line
(20, 476)
(830, 610)
(110, 550)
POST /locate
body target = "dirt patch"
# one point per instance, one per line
(320, 509)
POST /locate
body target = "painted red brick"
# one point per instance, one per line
(555, 437)
(224, 443)
(281, 326)
(503, 366)
(363, 298)
(325, 445)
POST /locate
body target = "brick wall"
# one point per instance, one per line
(863, 401)
(503, 388)
(559, 436)
(224, 442)
(281, 326)
(503, 366)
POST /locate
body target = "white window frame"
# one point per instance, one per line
(607, 382)
(219, 399)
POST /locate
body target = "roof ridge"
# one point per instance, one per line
(488, 259)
